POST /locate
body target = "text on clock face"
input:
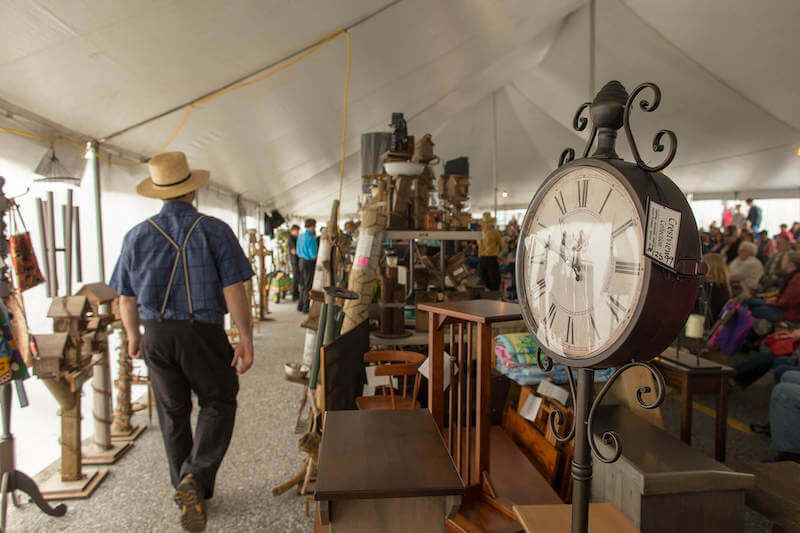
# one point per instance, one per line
(584, 266)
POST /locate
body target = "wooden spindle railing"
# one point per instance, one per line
(468, 399)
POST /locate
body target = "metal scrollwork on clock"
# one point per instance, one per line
(649, 107)
(612, 437)
(579, 123)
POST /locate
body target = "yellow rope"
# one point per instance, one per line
(226, 91)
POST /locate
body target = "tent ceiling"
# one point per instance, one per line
(454, 67)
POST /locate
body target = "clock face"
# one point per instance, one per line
(583, 262)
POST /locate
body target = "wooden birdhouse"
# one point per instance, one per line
(57, 352)
(70, 314)
(101, 297)
(95, 339)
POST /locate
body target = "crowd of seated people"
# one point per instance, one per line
(762, 275)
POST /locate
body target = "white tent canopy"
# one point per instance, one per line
(480, 75)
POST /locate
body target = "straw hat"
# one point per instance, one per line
(170, 177)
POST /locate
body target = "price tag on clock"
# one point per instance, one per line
(661, 234)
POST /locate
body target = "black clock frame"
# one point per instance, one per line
(667, 297)
(667, 293)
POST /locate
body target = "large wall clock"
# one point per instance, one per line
(608, 260)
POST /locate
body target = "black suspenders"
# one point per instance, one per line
(180, 252)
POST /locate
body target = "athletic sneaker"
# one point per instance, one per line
(189, 496)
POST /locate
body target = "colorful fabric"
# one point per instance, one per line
(11, 364)
(515, 349)
(730, 337)
(516, 359)
(23, 259)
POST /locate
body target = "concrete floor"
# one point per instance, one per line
(137, 495)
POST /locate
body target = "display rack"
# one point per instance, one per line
(12, 479)
(441, 236)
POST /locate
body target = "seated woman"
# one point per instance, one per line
(746, 270)
(785, 306)
(784, 411)
(719, 286)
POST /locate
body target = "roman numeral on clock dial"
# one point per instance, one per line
(562, 206)
(541, 287)
(627, 268)
(616, 307)
(570, 338)
(583, 193)
(551, 316)
(621, 229)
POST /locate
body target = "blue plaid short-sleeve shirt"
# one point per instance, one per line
(214, 257)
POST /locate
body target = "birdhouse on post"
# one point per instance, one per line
(70, 314)
(55, 352)
(101, 297)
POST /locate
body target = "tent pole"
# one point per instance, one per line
(592, 45)
(98, 211)
(494, 151)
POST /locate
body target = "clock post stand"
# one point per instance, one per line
(582, 460)
(668, 268)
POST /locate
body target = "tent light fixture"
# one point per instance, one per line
(505, 194)
(52, 170)
(798, 151)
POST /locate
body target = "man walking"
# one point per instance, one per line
(307, 252)
(294, 231)
(179, 273)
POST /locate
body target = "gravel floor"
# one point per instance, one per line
(137, 495)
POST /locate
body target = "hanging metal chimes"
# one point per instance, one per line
(71, 246)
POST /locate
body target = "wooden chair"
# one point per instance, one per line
(400, 363)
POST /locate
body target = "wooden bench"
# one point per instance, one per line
(776, 493)
(661, 484)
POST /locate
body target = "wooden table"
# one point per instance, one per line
(385, 471)
(603, 518)
(696, 375)
(470, 452)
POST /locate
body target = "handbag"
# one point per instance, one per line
(783, 343)
(23, 257)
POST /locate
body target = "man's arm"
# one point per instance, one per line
(129, 310)
(239, 308)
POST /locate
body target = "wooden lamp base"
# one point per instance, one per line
(57, 489)
(95, 455)
(129, 435)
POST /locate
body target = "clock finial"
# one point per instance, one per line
(607, 114)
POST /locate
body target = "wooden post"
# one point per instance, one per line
(483, 402)
(436, 370)
(71, 440)
(121, 429)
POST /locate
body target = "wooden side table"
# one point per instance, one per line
(385, 471)
(467, 444)
(696, 375)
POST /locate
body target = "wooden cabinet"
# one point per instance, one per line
(664, 485)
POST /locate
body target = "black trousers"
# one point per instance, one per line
(185, 357)
(490, 272)
(307, 280)
(295, 277)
